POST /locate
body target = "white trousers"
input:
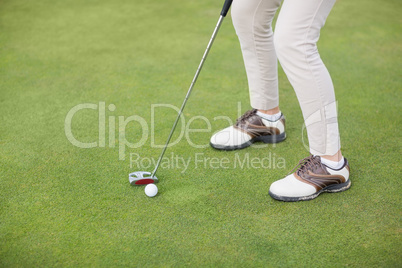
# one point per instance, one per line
(295, 45)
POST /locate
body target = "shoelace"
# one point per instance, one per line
(306, 164)
(245, 116)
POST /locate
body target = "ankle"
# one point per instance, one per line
(336, 157)
(270, 111)
(333, 164)
(269, 117)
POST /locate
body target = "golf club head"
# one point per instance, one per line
(141, 178)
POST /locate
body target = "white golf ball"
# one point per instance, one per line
(151, 190)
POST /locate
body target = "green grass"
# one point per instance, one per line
(66, 206)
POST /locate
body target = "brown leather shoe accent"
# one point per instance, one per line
(320, 181)
(313, 172)
(252, 124)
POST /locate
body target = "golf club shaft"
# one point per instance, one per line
(224, 11)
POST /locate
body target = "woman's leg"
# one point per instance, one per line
(296, 35)
(297, 32)
(252, 20)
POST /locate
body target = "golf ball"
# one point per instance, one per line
(151, 190)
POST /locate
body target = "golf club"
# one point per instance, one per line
(143, 177)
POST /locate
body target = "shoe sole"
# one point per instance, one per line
(335, 188)
(265, 139)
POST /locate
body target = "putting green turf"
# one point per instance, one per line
(67, 206)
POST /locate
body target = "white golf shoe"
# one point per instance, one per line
(310, 180)
(248, 129)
